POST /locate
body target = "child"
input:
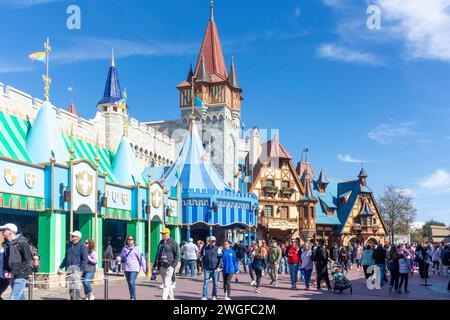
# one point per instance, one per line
(404, 269)
(340, 280)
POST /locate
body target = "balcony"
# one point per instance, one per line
(287, 192)
(270, 191)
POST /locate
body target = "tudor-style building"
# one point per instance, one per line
(279, 192)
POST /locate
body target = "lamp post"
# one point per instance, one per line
(147, 210)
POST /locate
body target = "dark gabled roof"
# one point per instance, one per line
(202, 74)
(322, 178)
(232, 78)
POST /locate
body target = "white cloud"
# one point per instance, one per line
(349, 159)
(9, 67)
(388, 133)
(93, 48)
(423, 25)
(335, 52)
(406, 191)
(437, 183)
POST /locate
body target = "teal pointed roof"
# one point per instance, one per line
(124, 165)
(193, 168)
(44, 139)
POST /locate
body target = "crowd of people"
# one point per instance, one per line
(393, 265)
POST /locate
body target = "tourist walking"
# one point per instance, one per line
(321, 258)
(4, 283)
(293, 261)
(379, 256)
(335, 253)
(191, 252)
(17, 259)
(75, 262)
(358, 256)
(405, 269)
(283, 263)
(132, 262)
(274, 262)
(307, 264)
(182, 260)
(435, 258)
(394, 270)
(422, 261)
(200, 245)
(166, 261)
(240, 254)
(230, 267)
(89, 271)
(251, 256)
(212, 262)
(258, 265)
(367, 260)
(445, 258)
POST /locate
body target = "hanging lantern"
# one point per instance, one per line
(104, 202)
(66, 196)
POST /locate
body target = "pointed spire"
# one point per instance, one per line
(113, 62)
(232, 78)
(202, 74)
(112, 91)
(211, 52)
(211, 10)
(190, 74)
(362, 177)
(124, 164)
(72, 109)
(322, 178)
(44, 139)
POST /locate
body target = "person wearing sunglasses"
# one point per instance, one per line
(132, 262)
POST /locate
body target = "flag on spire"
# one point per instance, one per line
(38, 56)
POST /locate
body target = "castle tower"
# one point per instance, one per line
(109, 105)
(219, 118)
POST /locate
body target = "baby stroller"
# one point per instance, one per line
(341, 282)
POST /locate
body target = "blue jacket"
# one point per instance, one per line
(76, 255)
(229, 261)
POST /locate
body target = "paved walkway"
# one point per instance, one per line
(191, 288)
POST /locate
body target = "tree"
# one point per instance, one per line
(426, 229)
(417, 236)
(397, 211)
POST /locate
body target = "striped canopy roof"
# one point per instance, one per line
(193, 168)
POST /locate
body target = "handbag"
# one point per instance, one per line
(124, 260)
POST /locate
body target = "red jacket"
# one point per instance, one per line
(292, 255)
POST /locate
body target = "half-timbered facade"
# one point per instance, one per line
(279, 191)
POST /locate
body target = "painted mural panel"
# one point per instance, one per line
(21, 179)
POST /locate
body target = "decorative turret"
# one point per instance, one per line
(232, 78)
(44, 139)
(322, 182)
(362, 178)
(72, 109)
(210, 74)
(112, 93)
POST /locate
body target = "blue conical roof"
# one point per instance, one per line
(193, 168)
(44, 139)
(112, 87)
(124, 164)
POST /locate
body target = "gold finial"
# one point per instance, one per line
(45, 77)
(72, 151)
(211, 10)
(124, 94)
(97, 156)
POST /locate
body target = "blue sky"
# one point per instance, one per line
(311, 68)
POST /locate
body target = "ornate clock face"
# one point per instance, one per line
(85, 183)
(156, 198)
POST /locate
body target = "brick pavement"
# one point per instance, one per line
(190, 289)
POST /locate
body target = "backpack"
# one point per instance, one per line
(314, 255)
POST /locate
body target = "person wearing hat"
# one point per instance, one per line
(212, 263)
(75, 262)
(4, 283)
(16, 261)
(166, 261)
(191, 252)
